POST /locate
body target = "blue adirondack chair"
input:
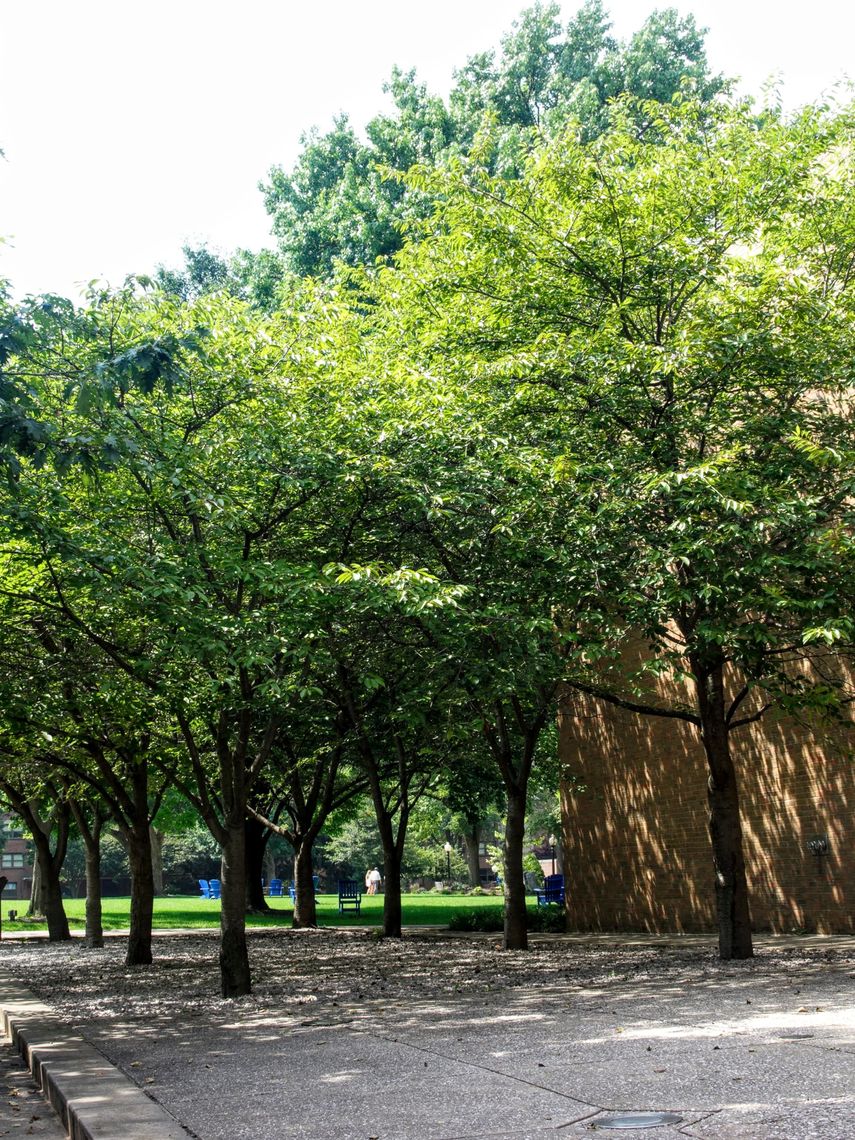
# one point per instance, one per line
(205, 888)
(552, 891)
(276, 888)
(215, 888)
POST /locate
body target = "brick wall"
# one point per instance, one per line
(20, 875)
(636, 848)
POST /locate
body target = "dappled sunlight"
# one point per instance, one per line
(765, 1023)
(637, 850)
(341, 1078)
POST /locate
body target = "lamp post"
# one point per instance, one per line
(447, 849)
(552, 842)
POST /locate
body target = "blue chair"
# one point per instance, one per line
(349, 895)
(276, 888)
(292, 887)
(552, 891)
(205, 888)
(215, 888)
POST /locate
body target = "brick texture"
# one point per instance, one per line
(636, 847)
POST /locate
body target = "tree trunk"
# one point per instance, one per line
(36, 909)
(57, 922)
(234, 956)
(268, 863)
(138, 840)
(516, 923)
(731, 886)
(50, 866)
(156, 839)
(257, 838)
(392, 911)
(94, 921)
(472, 839)
(305, 911)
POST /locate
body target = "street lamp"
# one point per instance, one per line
(552, 842)
(447, 849)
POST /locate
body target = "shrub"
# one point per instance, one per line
(487, 919)
(541, 919)
(547, 919)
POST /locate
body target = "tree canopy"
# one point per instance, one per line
(598, 396)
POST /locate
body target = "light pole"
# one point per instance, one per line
(552, 842)
(447, 849)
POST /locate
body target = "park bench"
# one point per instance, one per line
(552, 891)
(349, 895)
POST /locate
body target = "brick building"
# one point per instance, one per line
(16, 865)
(636, 849)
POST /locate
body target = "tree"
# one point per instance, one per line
(45, 811)
(665, 319)
(99, 730)
(344, 200)
(182, 588)
(312, 781)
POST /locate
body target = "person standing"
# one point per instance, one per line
(374, 881)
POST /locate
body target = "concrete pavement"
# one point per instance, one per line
(758, 1058)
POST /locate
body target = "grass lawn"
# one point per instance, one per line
(192, 912)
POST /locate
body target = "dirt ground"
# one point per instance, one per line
(336, 972)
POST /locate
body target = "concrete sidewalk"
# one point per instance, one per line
(739, 1057)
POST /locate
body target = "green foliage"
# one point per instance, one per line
(660, 318)
(487, 920)
(540, 919)
(547, 919)
(344, 201)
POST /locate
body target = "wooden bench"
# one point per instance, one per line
(552, 891)
(349, 895)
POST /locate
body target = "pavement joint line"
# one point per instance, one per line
(93, 1099)
(484, 1069)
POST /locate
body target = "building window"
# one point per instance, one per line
(12, 860)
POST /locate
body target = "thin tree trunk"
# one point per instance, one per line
(234, 955)
(156, 839)
(50, 867)
(472, 840)
(257, 838)
(94, 918)
(35, 909)
(516, 923)
(268, 863)
(305, 911)
(731, 885)
(91, 836)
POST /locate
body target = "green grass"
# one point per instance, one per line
(192, 913)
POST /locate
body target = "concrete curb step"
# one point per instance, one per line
(94, 1100)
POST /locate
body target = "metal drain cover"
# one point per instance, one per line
(637, 1120)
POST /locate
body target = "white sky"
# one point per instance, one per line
(133, 126)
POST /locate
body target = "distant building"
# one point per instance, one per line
(16, 865)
